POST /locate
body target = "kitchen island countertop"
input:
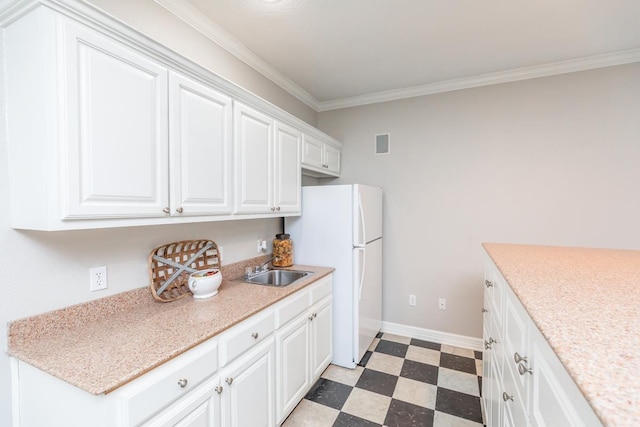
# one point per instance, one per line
(101, 345)
(586, 303)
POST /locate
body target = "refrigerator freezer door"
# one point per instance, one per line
(369, 296)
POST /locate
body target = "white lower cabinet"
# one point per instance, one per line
(303, 344)
(524, 382)
(252, 374)
(246, 389)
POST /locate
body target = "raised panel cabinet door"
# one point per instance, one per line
(248, 395)
(312, 152)
(253, 150)
(116, 163)
(321, 337)
(288, 176)
(332, 159)
(200, 123)
(293, 373)
(200, 408)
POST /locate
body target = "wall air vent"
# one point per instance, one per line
(383, 143)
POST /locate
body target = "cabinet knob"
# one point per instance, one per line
(166, 210)
(506, 397)
(254, 335)
(273, 208)
(315, 315)
(325, 166)
(311, 317)
(517, 358)
(229, 380)
(487, 345)
(182, 382)
(488, 283)
(484, 310)
(180, 210)
(218, 389)
(522, 370)
(278, 208)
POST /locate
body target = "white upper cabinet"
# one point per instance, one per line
(320, 158)
(116, 135)
(106, 128)
(253, 144)
(267, 164)
(287, 176)
(200, 139)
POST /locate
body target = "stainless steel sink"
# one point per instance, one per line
(277, 277)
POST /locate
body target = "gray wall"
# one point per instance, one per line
(552, 161)
(42, 271)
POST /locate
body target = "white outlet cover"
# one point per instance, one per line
(98, 278)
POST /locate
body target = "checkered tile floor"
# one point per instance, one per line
(400, 382)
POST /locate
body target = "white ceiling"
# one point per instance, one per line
(334, 53)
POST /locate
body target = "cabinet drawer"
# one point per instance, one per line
(320, 289)
(245, 335)
(150, 394)
(291, 308)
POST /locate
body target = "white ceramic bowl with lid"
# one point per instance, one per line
(205, 283)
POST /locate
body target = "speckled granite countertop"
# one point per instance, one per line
(100, 345)
(586, 303)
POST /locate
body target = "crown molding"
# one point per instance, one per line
(193, 17)
(551, 69)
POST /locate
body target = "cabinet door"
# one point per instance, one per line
(200, 408)
(200, 147)
(247, 398)
(332, 159)
(293, 370)
(321, 337)
(288, 177)
(116, 156)
(253, 137)
(312, 152)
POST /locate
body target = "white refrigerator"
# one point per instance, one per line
(341, 227)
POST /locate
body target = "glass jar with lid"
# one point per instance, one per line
(282, 251)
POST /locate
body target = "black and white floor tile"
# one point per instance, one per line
(400, 382)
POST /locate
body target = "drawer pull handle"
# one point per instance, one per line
(182, 382)
(218, 389)
(506, 397)
(519, 358)
(522, 370)
(488, 283)
(229, 380)
(254, 335)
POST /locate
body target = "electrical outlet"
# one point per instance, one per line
(98, 278)
(262, 246)
(412, 300)
(442, 304)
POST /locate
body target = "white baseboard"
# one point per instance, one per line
(433, 336)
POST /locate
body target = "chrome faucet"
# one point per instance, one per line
(263, 266)
(249, 272)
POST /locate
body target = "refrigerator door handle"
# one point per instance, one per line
(363, 237)
(361, 270)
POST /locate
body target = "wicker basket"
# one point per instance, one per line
(165, 263)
